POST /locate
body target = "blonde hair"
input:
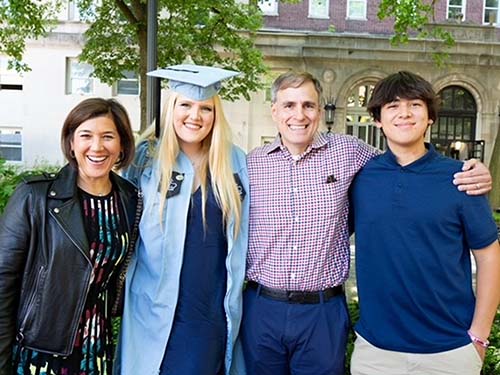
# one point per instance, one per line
(216, 161)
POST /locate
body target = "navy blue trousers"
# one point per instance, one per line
(281, 338)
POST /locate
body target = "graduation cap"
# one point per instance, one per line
(197, 82)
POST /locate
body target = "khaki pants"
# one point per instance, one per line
(370, 360)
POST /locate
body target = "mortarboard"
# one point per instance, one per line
(197, 82)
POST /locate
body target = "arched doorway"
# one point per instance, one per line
(454, 133)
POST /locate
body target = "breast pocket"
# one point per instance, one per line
(331, 195)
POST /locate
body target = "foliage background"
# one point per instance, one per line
(11, 176)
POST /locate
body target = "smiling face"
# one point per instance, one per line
(297, 113)
(193, 121)
(404, 122)
(96, 146)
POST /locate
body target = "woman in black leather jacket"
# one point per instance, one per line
(65, 242)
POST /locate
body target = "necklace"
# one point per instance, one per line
(96, 189)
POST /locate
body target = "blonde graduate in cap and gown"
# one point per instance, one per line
(183, 301)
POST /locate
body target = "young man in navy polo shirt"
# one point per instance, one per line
(414, 234)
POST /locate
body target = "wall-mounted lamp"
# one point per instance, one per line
(455, 149)
(330, 108)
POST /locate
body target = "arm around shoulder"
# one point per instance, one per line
(475, 178)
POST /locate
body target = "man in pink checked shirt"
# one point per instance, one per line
(295, 318)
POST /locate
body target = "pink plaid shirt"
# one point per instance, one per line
(299, 236)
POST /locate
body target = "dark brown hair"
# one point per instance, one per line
(99, 107)
(403, 85)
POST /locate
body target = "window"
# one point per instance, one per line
(269, 7)
(491, 12)
(68, 11)
(356, 9)
(11, 148)
(128, 85)
(78, 77)
(9, 78)
(358, 122)
(456, 10)
(318, 8)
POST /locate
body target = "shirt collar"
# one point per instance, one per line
(416, 166)
(319, 140)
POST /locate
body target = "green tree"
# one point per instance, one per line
(21, 20)
(416, 18)
(211, 32)
(208, 31)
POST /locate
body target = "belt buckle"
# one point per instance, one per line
(297, 297)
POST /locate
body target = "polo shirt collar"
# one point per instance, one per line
(416, 166)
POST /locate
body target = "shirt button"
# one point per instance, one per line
(56, 210)
(292, 276)
(297, 219)
(295, 247)
(52, 193)
(295, 190)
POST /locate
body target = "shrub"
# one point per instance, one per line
(11, 175)
(496, 216)
(492, 361)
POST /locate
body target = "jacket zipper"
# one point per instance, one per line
(82, 303)
(31, 303)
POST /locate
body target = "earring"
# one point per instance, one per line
(72, 154)
(120, 157)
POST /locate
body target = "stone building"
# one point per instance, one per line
(345, 45)
(342, 43)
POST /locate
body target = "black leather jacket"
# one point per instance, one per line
(45, 266)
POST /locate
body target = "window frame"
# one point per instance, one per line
(463, 8)
(116, 86)
(497, 8)
(70, 78)
(326, 10)
(272, 10)
(361, 17)
(12, 130)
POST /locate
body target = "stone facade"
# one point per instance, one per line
(356, 54)
(359, 53)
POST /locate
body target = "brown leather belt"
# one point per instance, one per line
(296, 296)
